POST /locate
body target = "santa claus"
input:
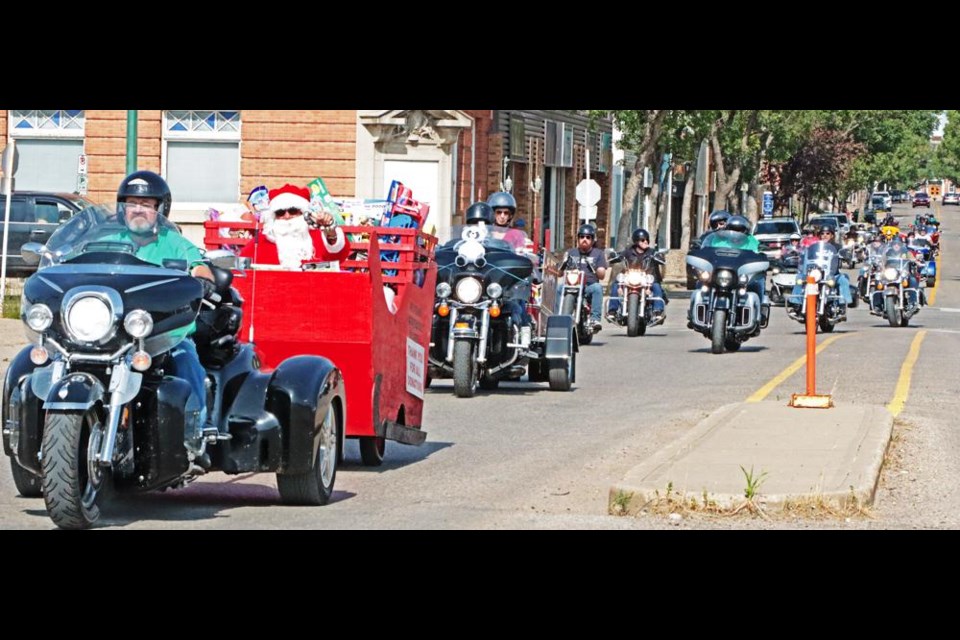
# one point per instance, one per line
(289, 240)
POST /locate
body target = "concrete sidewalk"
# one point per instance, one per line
(833, 455)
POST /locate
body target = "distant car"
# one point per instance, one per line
(824, 221)
(887, 199)
(843, 222)
(773, 233)
(951, 198)
(34, 215)
(898, 196)
(921, 199)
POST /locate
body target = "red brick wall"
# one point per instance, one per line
(466, 193)
(283, 146)
(106, 148)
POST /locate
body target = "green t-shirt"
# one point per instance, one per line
(168, 245)
(733, 240)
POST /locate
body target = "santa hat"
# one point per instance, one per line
(289, 196)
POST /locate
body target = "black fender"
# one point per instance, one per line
(561, 339)
(20, 367)
(300, 392)
(257, 442)
(721, 302)
(76, 391)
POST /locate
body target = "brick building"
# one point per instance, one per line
(449, 158)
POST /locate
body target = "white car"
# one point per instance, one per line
(887, 199)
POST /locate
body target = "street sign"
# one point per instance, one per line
(767, 204)
(588, 213)
(82, 164)
(588, 192)
(82, 184)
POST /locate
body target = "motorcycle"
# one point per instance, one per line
(635, 293)
(822, 262)
(925, 250)
(474, 340)
(894, 296)
(92, 406)
(783, 274)
(723, 310)
(573, 301)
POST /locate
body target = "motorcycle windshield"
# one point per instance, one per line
(94, 256)
(500, 264)
(727, 250)
(823, 256)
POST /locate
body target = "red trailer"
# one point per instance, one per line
(344, 316)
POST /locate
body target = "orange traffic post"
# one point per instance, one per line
(810, 400)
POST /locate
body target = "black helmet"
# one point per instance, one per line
(737, 223)
(717, 217)
(147, 184)
(587, 230)
(502, 199)
(478, 212)
(640, 234)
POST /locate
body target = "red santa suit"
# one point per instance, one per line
(287, 240)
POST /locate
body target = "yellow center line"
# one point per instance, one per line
(906, 372)
(765, 390)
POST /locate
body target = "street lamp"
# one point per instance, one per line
(743, 198)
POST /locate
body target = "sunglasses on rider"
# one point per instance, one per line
(585, 236)
(292, 211)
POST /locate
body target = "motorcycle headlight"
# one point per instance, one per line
(444, 290)
(494, 290)
(89, 319)
(138, 323)
(38, 317)
(469, 290)
(635, 278)
(724, 278)
(816, 274)
(891, 274)
(573, 277)
(705, 276)
(776, 270)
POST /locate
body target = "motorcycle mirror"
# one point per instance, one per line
(31, 252)
(175, 264)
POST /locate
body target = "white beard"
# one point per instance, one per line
(293, 241)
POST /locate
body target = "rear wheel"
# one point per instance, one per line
(464, 369)
(28, 483)
(718, 333)
(561, 374)
(372, 451)
(826, 324)
(315, 486)
(72, 478)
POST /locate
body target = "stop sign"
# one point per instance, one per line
(588, 192)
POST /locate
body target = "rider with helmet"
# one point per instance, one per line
(143, 206)
(735, 234)
(717, 221)
(593, 265)
(642, 254)
(792, 247)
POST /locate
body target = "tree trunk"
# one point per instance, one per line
(687, 212)
(626, 212)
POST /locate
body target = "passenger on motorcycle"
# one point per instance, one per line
(737, 236)
(591, 262)
(792, 247)
(143, 199)
(290, 240)
(718, 220)
(641, 254)
(504, 208)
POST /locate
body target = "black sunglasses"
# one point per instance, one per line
(591, 237)
(293, 211)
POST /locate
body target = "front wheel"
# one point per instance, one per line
(569, 305)
(636, 326)
(826, 324)
(718, 333)
(28, 484)
(464, 369)
(315, 486)
(72, 478)
(891, 311)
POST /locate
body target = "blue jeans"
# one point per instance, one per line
(843, 284)
(655, 288)
(186, 364)
(595, 291)
(518, 312)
